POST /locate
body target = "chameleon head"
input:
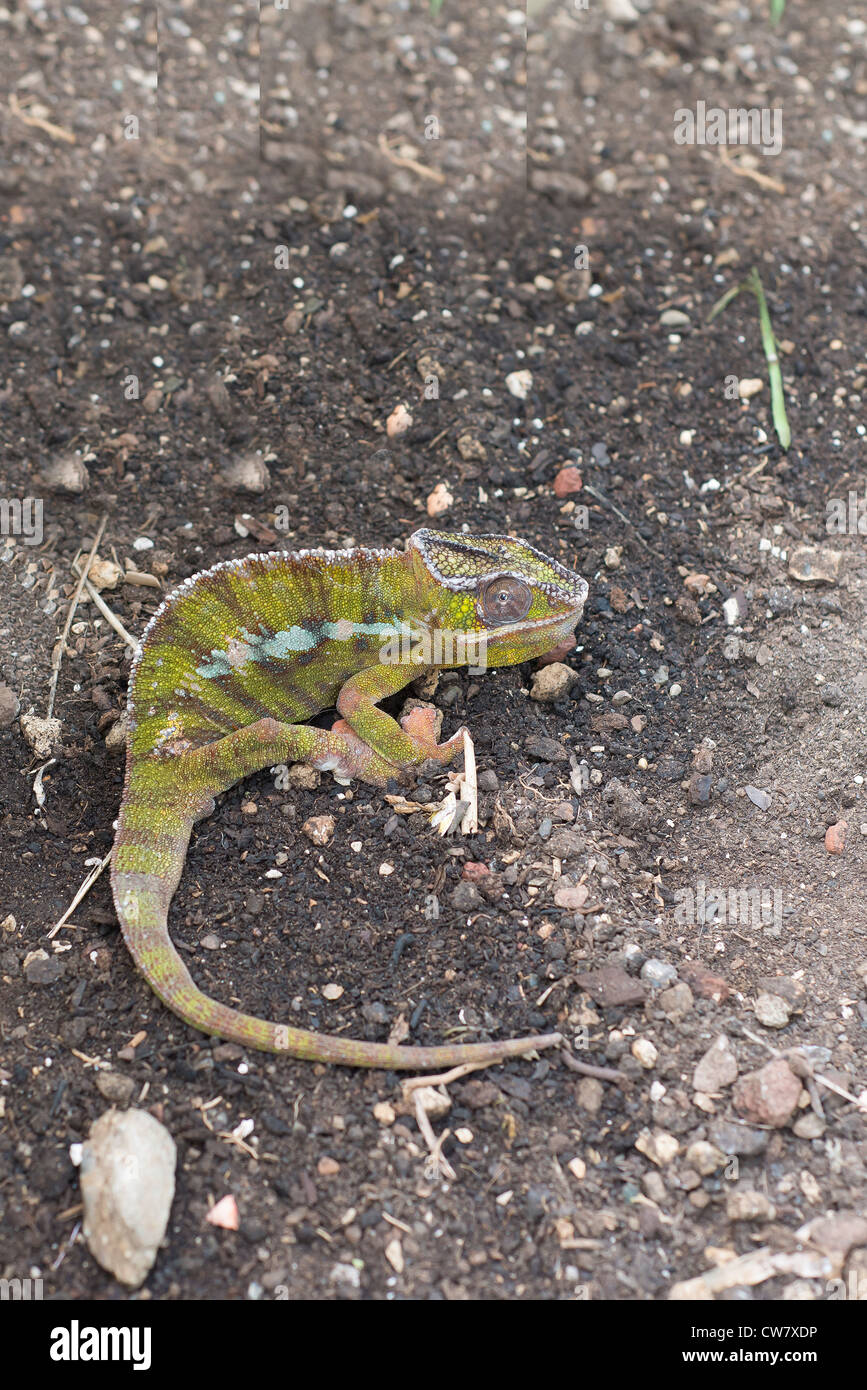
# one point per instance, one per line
(500, 597)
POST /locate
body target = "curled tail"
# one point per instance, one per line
(146, 865)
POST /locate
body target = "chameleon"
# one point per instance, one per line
(240, 656)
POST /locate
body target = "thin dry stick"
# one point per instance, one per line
(438, 1165)
(746, 473)
(38, 789)
(585, 1069)
(763, 180)
(39, 121)
(404, 163)
(838, 1090)
(443, 1080)
(68, 1242)
(400, 1225)
(57, 657)
(436, 439)
(111, 618)
(606, 502)
(82, 893)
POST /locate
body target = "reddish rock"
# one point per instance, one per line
(473, 872)
(785, 987)
(9, 705)
(687, 609)
(319, 829)
(697, 583)
(702, 759)
(568, 480)
(699, 789)
(768, 1096)
(702, 982)
(835, 837)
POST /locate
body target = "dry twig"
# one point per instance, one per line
(57, 656)
(745, 172)
(585, 1068)
(111, 618)
(403, 162)
(39, 122)
(82, 893)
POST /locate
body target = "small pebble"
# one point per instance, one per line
(658, 973)
(519, 384)
(744, 1204)
(718, 1067)
(644, 1052)
(771, 1011)
(674, 318)
(661, 1148)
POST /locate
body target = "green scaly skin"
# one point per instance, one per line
(240, 656)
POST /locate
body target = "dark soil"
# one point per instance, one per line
(157, 358)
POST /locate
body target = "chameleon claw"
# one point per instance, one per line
(420, 724)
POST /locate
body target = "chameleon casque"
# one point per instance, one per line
(240, 655)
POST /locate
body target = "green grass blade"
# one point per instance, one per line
(725, 299)
(769, 343)
(778, 9)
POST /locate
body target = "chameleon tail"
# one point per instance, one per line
(145, 870)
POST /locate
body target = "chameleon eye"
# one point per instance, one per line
(506, 600)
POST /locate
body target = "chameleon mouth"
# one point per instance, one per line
(544, 634)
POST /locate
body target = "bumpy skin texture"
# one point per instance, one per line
(239, 656)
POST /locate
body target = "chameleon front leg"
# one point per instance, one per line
(407, 744)
(161, 801)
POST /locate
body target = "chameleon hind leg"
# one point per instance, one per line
(219, 765)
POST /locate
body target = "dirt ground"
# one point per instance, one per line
(204, 331)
